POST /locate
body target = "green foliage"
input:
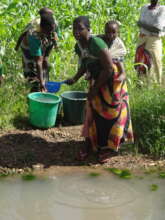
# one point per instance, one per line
(114, 170)
(4, 175)
(94, 174)
(28, 177)
(154, 187)
(147, 105)
(148, 119)
(162, 175)
(125, 174)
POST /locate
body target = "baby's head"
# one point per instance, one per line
(111, 30)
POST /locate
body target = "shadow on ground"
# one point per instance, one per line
(25, 150)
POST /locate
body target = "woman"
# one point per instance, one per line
(36, 46)
(107, 123)
(152, 28)
(35, 23)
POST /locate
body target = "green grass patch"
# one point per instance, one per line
(154, 187)
(28, 177)
(125, 173)
(162, 175)
(148, 119)
(2, 175)
(94, 174)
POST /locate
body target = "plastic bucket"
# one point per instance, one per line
(53, 86)
(43, 108)
(73, 106)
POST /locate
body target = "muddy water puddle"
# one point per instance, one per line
(82, 196)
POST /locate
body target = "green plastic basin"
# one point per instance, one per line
(43, 108)
(73, 106)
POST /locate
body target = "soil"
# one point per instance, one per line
(25, 149)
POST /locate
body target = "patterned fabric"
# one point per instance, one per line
(35, 25)
(154, 46)
(143, 59)
(36, 44)
(117, 49)
(107, 121)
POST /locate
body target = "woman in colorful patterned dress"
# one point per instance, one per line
(36, 46)
(107, 124)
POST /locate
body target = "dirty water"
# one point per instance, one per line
(82, 196)
(45, 100)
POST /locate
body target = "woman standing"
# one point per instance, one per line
(152, 28)
(107, 124)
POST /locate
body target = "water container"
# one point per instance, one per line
(73, 106)
(43, 108)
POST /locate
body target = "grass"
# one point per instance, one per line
(122, 173)
(148, 120)
(28, 177)
(94, 174)
(162, 175)
(3, 175)
(154, 187)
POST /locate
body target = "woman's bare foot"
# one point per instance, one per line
(85, 151)
(105, 155)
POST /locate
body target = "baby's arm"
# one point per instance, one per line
(121, 70)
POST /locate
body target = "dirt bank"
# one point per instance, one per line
(23, 149)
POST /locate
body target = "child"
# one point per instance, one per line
(115, 45)
(36, 24)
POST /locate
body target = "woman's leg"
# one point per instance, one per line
(87, 148)
(154, 46)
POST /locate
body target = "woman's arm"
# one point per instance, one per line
(106, 62)
(148, 27)
(39, 65)
(76, 77)
(20, 40)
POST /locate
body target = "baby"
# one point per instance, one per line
(115, 45)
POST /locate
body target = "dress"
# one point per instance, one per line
(151, 39)
(107, 122)
(37, 44)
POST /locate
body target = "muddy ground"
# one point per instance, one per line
(57, 147)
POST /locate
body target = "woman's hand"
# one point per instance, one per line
(42, 87)
(70, 81)
(121, 78)
(92, 93)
